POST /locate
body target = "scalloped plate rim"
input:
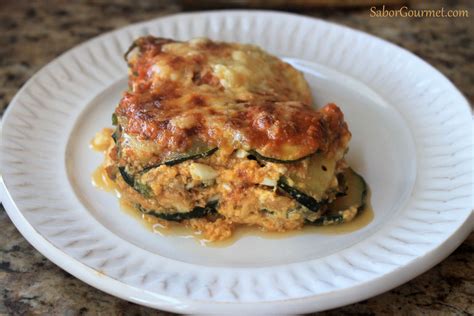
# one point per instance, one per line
(89, 275)
(93, 278)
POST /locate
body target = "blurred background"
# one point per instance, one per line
(32, 33)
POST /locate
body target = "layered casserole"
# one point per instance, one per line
(214, 135)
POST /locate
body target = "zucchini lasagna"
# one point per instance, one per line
(214, 135)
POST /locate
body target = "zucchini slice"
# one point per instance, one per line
(195, 152)
(198, 150)
(310, 189)
(141, 188)
(326, 220)
(116, 135)
(190, 155)
(287, 154)
(299, 196)
(196, 212)
(356, 193)
(114, 119)
(345, 208)
(134, 45)
(318, 178)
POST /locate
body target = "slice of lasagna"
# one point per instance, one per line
(214, 135)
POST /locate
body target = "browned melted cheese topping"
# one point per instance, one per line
(228, 95)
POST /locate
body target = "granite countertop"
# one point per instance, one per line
(32, 33)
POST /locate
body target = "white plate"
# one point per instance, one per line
(411, 141)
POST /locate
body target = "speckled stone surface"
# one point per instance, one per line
(32, 33)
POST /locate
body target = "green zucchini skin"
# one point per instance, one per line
(114, 119)
(276, 160)
(299, 196)
(179, 160)
(129, 50)
(141, 188)
(144, 189)
(116, 135)
(327, 220)
(128, 178)
(355, 195)
(196, 212)
(202, 153)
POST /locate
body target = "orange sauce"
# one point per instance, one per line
(101, 142)
(170, 229)
(360, 221)
(101, 180)
(165, 229)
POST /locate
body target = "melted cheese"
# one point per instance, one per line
(226, 94)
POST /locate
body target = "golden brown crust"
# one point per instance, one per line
(228, 95)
